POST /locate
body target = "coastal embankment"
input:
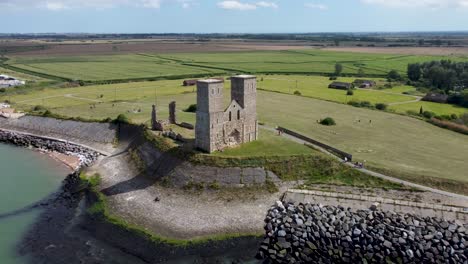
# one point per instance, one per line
(313, 233)
(84, 156)
(68, 231)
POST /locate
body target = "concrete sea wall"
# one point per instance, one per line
(86, 156)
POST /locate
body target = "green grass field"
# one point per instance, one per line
(439, 109)
(21, 76)
(98, 68)
(133, 96)
(317, 87)
(269, 144)
(304, 61)
(139, 66)
(390, 141)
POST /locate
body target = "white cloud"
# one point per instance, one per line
(418, 3)
(316, 6)
(267, 4)
(57, 5)
(151, 3)
(187, 3)
(237, 5)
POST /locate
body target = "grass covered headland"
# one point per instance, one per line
(289, 160)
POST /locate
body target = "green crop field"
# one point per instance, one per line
(140, 66)
(21, 76)
(98, 68)
(306, 61)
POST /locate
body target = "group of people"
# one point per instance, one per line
(280, 132)
(359, 165)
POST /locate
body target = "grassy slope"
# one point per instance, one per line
(289, 160)
(269, 144)
(391, 141)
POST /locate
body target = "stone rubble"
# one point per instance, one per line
(311, 233)
(86, 156)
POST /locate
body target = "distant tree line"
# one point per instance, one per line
(445, 77)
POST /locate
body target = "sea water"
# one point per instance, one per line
(26, 177)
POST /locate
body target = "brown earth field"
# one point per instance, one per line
(30, 48)
(405, 50)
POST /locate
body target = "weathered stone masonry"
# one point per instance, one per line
(218, 128)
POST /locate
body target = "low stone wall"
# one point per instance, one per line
(387, 204)
(331, 149)
(86, 156)
(309, 233)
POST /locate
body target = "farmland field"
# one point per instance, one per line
(387, 141)
(439, 109)
(21, 76)
(98, 68)
(304, 61)
(308, 86)
(317, 87)
(134, 66)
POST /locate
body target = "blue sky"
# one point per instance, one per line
(235, 16)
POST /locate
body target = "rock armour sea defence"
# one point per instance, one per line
(86, 156)
(309, 233)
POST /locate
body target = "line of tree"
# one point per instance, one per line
(445, 77)
(442, 75)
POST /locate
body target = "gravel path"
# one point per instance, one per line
(379, 175)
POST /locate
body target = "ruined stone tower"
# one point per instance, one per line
(217, 127)
(172, 113)
(154, 118)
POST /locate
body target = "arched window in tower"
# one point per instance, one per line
(230, 116)
(238, 114)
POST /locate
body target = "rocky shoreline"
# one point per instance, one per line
(310, 233)
(86, 156)
(66, 232)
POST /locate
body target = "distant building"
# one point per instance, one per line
(436, 98)
(7, 81)
(341, 85)
(364, 83)
(4, 105)
(189, 82)
(194, 82)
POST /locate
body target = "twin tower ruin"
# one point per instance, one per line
(217, 127)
